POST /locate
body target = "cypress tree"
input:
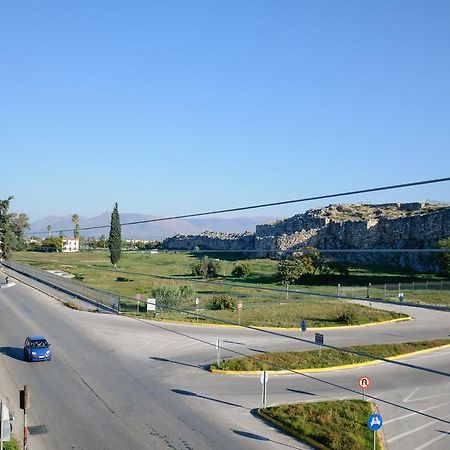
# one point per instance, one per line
(115, 237)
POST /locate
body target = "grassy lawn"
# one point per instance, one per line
(142, 272)
(328, 358)
(330, 425)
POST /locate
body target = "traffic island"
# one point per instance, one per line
(283, 363)
(329, 425)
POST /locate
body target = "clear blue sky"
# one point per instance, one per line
(172, 107)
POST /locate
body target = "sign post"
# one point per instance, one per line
(264, 379)
(218, 351)
(318, 339)
(364, 383)
(197, 302)
(374, 423)
(401, 297)
(151, 305)
(138, 298)
(303, 326)
(239, 306)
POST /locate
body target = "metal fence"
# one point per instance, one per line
(68, 286)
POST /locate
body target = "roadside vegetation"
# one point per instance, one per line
(242, 279)
(328, 358)
(330, 425)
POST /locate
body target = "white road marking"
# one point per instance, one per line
(399, 436)
(406, 399)
(385, 422)
(425, 398)
(432, 440)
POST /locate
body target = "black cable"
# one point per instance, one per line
(265, 205)
(314, 378)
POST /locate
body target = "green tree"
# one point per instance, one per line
(115, 237)
(61, 234)
(289, 271)
(206, 268)
(241, 270)
(49, 229)
(53, 244)
(76, 225)
(6, 233)
(19, 223)
(166, 296)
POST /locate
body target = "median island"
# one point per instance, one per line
(329, 358)
(330, 425)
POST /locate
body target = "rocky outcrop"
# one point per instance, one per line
(338, 227)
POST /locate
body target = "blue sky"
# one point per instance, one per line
(172, 107)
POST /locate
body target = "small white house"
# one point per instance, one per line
(71, 244)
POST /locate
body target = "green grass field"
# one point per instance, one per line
(329, 425)
(141, 272)
(328, 357)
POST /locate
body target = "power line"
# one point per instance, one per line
(265, 205)
(296, 372)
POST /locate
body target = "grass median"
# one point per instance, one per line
(328, 358)
(330, 425)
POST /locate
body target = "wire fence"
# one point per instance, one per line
(68, 286)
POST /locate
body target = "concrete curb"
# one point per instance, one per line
(326, 369)
(343, 327)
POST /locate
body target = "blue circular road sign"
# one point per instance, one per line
(375, 422)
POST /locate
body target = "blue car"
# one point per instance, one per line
(37, 348)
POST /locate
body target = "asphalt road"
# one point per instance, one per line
(119, 383)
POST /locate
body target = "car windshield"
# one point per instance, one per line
(39, 344)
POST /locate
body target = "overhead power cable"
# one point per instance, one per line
(296, 372)
(265, 205)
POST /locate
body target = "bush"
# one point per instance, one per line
(241, 270)
(206, 268)
(187, 292)
(349, 316)
(166, 296)
(224, 302)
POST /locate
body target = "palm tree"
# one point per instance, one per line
(76, 225)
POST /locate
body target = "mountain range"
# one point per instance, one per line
(155, 230)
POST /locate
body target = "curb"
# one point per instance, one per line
(325, 369)
(334, 327)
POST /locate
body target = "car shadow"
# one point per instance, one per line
(159, 359)
(193, 394)
(13, 352)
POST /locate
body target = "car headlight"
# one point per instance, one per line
(47, 352)
(33, 353)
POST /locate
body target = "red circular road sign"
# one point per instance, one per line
(239, 305)
(364, 382)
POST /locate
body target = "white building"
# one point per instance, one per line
(71, 244)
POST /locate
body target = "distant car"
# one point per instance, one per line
(37, 348)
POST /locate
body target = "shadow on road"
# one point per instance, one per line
(157, 358)
(12, 352)
(193, 394)
(296, 391)
(258, 437)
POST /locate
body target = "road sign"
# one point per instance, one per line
(240, 305)
(151, 304)
(5, 424)
(303, 325)
(364, 382)
(138, 296)
(318, 338)
(197, 301)
(375, 422)
(400, 296)
(264, 377)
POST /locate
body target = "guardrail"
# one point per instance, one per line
(69, 286)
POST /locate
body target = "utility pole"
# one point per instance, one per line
(25, 405)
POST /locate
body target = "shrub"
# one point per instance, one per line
(187, 292)
(349, 316)
(206, 268)
(166, 296)
(241, 270)
(224, 302)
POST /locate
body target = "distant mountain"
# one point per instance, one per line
(153, 230)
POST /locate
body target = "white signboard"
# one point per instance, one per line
(151, 304)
